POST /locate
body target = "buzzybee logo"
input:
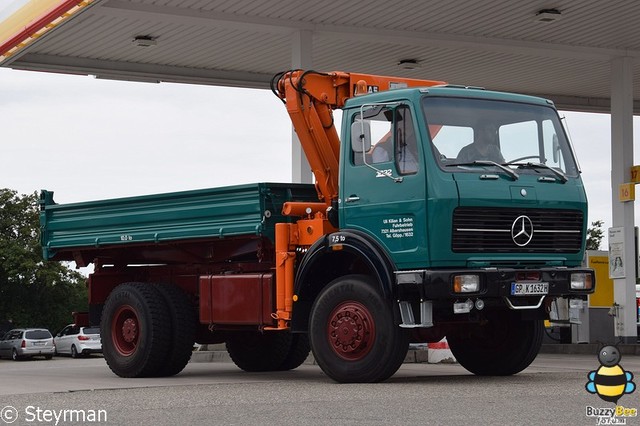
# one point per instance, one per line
(610, 382)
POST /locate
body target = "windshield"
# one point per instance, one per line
(526, 137)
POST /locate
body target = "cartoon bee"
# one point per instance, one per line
(610, 381)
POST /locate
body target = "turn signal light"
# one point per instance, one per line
(466, 283)
(361, 88)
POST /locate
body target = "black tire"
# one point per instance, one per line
(74, 352)
(15, 356)
(135, 330)
(298, 352)
(502, 346)
(353, 333)
(255, 352)
(183, 329)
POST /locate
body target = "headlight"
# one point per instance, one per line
(466, 283)
(581, 281)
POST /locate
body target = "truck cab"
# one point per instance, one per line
(434, 201)
(404, 207)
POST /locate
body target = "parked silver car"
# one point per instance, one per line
(21, 343)
(76, 341)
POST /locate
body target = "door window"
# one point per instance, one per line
(393, 138)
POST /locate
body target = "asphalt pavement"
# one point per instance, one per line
(551, 391)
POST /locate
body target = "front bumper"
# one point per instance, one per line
(493, 282)
(427, 296)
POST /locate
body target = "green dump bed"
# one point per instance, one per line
(68, 230)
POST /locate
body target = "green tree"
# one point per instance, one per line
(595, 235)
(33, 292)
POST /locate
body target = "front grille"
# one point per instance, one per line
(479, 229)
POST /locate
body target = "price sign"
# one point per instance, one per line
(635, 174)
(627, 192)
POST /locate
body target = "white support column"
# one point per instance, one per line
(301, 50)
(623, 212)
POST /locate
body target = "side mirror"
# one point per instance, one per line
(361, 136)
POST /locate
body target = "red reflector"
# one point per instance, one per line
(528, 276)
(83, 338)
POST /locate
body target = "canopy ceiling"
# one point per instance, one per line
(498, 44)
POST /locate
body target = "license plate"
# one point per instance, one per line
(39, 343)
(528, 289)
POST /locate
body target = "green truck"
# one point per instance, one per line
(441, 211)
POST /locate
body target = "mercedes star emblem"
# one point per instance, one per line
(522, 231)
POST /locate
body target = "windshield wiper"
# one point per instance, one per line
(559, 174)
(513, 175)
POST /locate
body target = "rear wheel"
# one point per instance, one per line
(353, 333)
(298, 352)
(15, 356)
(502, 345)
(183, 329)
(135, 330)
(74, 351)
(260, 352)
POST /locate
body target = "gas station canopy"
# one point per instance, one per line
(561, 49)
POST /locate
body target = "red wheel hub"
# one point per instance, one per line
(125, 330)
(351, 330)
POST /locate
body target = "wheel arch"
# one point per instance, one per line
(338, 254)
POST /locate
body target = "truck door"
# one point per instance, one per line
(383, 189)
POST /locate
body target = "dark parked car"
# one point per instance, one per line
(22, 343)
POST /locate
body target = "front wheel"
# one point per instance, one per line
(502, 345)
(354, 337)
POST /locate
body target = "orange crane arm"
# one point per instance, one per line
(311, 97)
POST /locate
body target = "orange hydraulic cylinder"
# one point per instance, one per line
(284, 274)
(302, 209)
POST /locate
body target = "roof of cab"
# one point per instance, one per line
(446, 91)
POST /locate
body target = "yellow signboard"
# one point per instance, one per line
(635, 174)
(602, 297)
(627, 192)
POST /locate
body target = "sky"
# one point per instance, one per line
(86, 139)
